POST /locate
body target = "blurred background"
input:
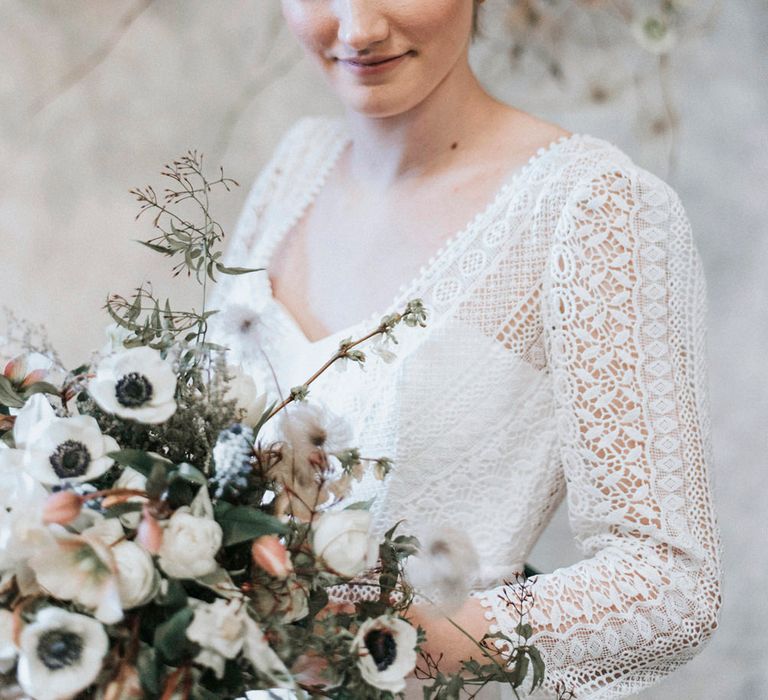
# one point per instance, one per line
(96, 96)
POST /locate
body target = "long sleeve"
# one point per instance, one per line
(623, 310)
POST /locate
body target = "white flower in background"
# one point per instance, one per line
(190, 545)
(61, 654)
(21, 508)
(654, 33)
(68, 449)
(82, 568)
(241, 323)
(138, 581)
(223, 630)
(116, 335)
(342, 541)
(219, 629)
(134, 480)
(32, 421)
(136, 384)
(381, 348)
(386, 650)
(443, 568)
(242, 389)
(8, 650)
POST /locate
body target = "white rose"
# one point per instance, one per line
(190, 545)
(342, 541)
(137, 577)
(8, 650)
(219, 629)
(386, 650)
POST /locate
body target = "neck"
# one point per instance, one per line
(418, 142)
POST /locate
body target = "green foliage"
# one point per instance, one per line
(241, 523)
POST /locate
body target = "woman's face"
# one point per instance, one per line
(346, 38)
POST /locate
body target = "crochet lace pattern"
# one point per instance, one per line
(564, 358)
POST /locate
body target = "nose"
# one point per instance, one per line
(361, 23)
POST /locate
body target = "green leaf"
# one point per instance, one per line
(361, 505)
(189, 473)
(524, 630)
(157, 248)
(150, 672)
(122, 509)
(40, 388)
(242, 523)
(180, 493)
(171, 637)
(139, 460)
(8, 395)
(538, 667)
(174, 597)
(157, 481)
(237, 270)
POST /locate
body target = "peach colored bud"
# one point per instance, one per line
(62, 507)
(272, 556)
(149, 533)
(309, 670)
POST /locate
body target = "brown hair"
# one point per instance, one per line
(475, 18)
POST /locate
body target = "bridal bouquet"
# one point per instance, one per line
(154, 544)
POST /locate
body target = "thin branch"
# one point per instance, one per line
(94, 60)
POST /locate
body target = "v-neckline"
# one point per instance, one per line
(408, 288)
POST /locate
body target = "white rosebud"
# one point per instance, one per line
(190, 545)
(219, 629)
(386, 650)
(61, 654)
(242, 389)
(341, 540)
(136, 384)
(137, 578)
(8, 650)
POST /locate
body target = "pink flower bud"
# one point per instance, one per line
(149, 533)
(62, 507)
(272, 556)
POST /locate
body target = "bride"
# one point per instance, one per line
(563, 355)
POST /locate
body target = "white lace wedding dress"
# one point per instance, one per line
(563, 357)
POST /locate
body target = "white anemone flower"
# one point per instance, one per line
(8, 650)
(386, 651)
(443, 568)
(21, 507)
(136, 384)
(61, 654)
(82, 568)
(69, 449)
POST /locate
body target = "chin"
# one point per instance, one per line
(379, 102)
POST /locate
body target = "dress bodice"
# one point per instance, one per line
(563, 355)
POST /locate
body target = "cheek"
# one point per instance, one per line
(311, 24)
(436, 21)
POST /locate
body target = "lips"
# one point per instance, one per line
(370, 61)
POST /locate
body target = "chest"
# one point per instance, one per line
(354, 249)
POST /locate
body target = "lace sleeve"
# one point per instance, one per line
(624, 314)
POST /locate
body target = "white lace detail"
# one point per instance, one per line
(564, 353)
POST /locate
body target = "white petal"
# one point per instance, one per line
(32, 419)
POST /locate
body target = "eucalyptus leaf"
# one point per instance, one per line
(8, 395)
(242, 523)
(171, 636)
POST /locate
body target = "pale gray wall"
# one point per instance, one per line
(225, 78)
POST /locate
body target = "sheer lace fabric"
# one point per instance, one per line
(564, 357)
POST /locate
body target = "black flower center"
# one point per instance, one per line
(70, 459)
(383, 648)
(133, 390)
(59, 649)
